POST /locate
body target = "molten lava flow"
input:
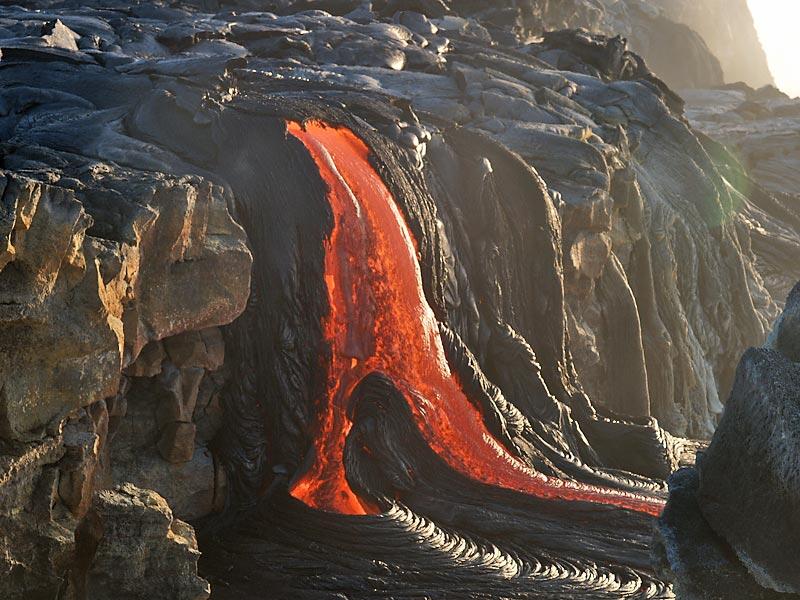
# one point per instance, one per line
(380, 321)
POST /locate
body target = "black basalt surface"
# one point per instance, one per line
(702, 564)
(460, 539)
(735, 513)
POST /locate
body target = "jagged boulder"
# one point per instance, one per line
(738, 511)
(785, 336)
(749, 477)
(135, 528)
(690, 553)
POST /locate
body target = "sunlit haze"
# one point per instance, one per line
(777, 24)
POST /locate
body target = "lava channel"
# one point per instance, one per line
(380, 320)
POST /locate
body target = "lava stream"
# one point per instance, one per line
(380, 321)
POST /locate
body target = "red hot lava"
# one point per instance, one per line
(380, 321)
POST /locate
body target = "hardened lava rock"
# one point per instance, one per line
(735, 513)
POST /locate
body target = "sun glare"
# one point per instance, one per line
(777, 25)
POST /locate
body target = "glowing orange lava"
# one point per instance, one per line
(380, 321)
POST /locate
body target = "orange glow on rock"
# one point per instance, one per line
(380, 321)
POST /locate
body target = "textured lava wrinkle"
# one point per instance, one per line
(379, 320)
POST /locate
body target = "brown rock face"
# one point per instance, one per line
(176, 444)
(36, 533)
(194, 263)
(171, 412)
(98, 264)
(203, 348)
(148, 363)
(83, 440)
(61, 336)
(135, 528)
(180, 387)
(89, 276)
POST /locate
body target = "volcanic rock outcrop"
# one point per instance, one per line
(730, 518)
(477, 268)
(135, 528)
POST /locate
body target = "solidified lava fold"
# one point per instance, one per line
(379, 320)
(371, 451)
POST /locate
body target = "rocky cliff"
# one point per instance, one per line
(672, 44)
(689, 44)
(583, 266)
(727, 28)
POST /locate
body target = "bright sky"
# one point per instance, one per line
(778, 24)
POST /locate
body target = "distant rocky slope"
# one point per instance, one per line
(727, 28)
(672, 46)
(758, 127)
(759, 136)
(688, 43)
(590, 260)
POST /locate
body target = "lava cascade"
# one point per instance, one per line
(379, 320)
